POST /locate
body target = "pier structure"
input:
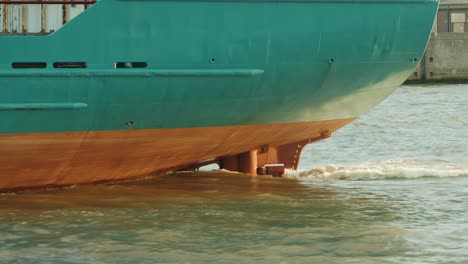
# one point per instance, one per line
(447, 52)
(38, 16)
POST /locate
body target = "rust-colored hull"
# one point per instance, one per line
(63, 159)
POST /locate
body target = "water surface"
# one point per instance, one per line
(390, 188)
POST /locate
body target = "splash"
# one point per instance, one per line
(392, 169)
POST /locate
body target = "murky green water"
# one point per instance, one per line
(390, 188)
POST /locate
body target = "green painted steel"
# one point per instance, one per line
(213, 63)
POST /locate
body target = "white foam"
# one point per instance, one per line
(393, 169)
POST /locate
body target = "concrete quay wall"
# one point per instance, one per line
(445, 60)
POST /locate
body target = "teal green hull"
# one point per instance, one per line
(212, 63)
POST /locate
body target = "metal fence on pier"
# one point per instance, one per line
(38, 16)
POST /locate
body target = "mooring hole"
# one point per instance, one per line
(29, 65)
(70, 65)
(129, 65)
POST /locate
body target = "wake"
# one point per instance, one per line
(392, 169)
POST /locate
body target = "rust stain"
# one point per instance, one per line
(24, 18)
(5, 17)
(43, 18)
(64, 14)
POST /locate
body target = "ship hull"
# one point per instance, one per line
(197, 75)
(63, 159)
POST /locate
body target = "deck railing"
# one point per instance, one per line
(38, 16)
